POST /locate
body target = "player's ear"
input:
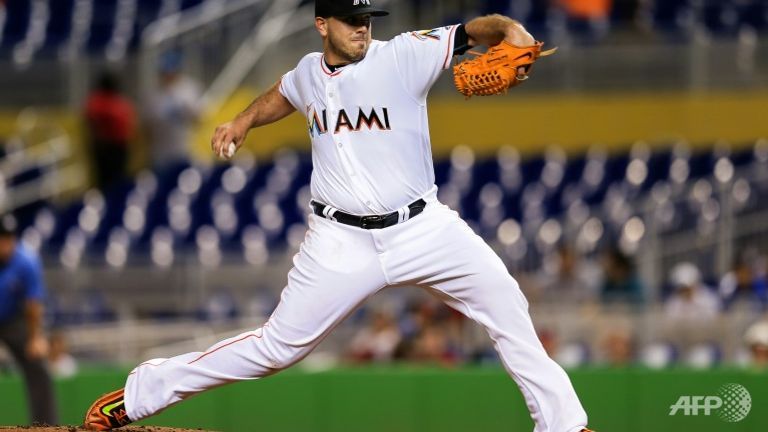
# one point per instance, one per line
(321, 24)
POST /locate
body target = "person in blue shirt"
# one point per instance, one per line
(621, 284)
(21, 321)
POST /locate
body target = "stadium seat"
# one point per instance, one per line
(17, 18)
(672, 17)
(658, 355)
(100, 29)
(720, 17)
(703, 356)
(60, 23)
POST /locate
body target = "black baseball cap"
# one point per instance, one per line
(345, 8)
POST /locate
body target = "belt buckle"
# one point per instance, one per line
(367, 222)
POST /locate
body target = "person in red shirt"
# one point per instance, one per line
(111, 124)
(588, 20)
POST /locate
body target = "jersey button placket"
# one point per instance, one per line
(334, 106)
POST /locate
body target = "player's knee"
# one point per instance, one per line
(281, 355)
(507, 293)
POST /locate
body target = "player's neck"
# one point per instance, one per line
(334, 61)
(333, 67)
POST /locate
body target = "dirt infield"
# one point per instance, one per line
(79, 428)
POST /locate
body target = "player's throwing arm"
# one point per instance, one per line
(267, 108)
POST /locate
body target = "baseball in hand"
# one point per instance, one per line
(231, 148)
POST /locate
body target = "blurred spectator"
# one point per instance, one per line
(172, 111)
(21, 321)
(376, 342)
(691, 302)
(572, 354)
(431, 333)
(691, 314)
(549, 341)
(432, 345)
(658, 355)
(565, 277)
(618, 347)
(756, 338)
(111, 124)
(746, 282)
(588, 20)
(60, 361)
(620, 281)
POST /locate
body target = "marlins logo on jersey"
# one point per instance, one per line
(423, 35)
(317, 122)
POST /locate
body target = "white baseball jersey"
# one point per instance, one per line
(371, 151)
(368, 121)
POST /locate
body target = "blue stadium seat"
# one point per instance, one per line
(115, 204)
(658, 168)
(667, 16)
(201, 202)
(219, 307)
(659, 355)
(244, 200)
(102, 24)
(531, 204)
(754, 14)
(16, 21)
(65, 219)
(60, 21)
(442, 168)
(157, 210)
(721, 17)
(538, 17)
(60, 24)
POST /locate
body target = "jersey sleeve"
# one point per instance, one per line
(295, 85)
(289, 89)
(422, 55)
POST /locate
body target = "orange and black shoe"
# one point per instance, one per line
(107, 413)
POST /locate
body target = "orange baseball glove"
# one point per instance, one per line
(500, 68)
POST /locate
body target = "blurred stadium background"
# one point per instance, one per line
(625, 186)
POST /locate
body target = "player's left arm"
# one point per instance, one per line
(34, 310)
(491, 30)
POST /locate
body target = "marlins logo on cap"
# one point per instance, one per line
(345, 8)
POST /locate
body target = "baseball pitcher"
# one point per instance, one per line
(375, 220)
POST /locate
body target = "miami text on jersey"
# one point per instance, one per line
(317, 122)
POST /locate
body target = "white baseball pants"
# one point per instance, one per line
(336, 269)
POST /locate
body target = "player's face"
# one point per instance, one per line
(7, 247)
(348, 37)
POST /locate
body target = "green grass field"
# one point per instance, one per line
(408, 399)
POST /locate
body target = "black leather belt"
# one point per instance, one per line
(367, 222)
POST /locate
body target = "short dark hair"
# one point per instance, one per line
(108, 82)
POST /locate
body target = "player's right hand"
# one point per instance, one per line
(37, 347)
(233, 132)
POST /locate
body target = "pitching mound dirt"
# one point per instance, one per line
(79, 429)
